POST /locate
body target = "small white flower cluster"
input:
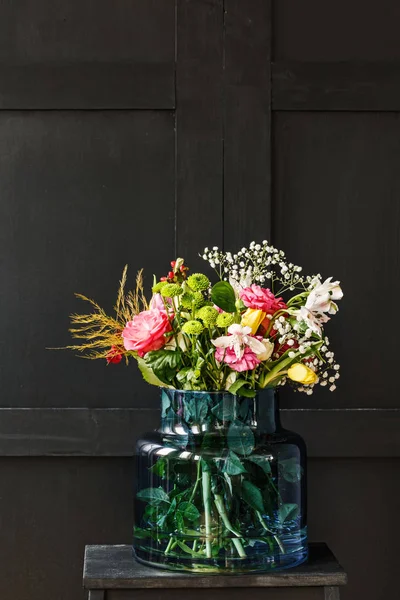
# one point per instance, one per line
(327, 368)
(257, 264)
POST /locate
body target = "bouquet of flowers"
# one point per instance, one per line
(217, 489)
(260, 325)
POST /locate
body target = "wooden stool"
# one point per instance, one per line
(111, 573)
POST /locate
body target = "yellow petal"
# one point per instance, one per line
(252, 318)
(302, 374)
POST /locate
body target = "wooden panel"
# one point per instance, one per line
(337, 212)
(352, 505)
(111, 567)
(51, 508)
(347, 30)
(87, 86)
(113, 432)
(87, 55)
(336, 86)
(247, 123)
(78, 197)
(199, 128)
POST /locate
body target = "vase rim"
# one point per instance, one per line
(211, 392)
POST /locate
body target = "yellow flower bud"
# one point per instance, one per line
(252, 318)
(302, 374)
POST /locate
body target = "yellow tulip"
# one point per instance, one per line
(302, 374)
(252, 318)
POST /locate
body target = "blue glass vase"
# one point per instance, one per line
(220, 486)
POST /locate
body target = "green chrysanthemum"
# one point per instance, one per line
(198, 282)
(156, 289)
(191, 300)
(208, 315)
(193, 327)
(225, 319)
(171, 289)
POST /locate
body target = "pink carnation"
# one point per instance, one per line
(247, 362)
(260, 298)
(146, 331)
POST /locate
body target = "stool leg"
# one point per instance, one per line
(331, 592)
(96, 595)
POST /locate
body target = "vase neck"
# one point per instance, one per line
(200, 412)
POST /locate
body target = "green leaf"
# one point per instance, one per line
(179, 522)
(252, 495)
(159, 467)
(183, 373)
(189, 511)
(225, 410)
(195, 410)
(164, 363)
(165, 403)
(223, 295)
(233, 464)
(261, 461)
(291, 470)
(153, 496)
(288, 512)
(148, 374)
(241, 388)
(141, 534)
(240, 438)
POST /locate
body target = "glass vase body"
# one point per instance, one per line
(220, 486)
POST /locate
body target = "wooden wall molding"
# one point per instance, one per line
(329, 433)
(336, 86)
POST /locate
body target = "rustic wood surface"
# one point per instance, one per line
(108, 567)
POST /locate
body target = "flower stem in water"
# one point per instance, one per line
(206, 481)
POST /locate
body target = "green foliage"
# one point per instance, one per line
(252, 495)
(233, 465)
(225, 410)
(148, 374)
(164, 363)
(288, 512)
(290, 469)
(153, 496)
(240, 438)
(189, 511)
(159, 468)
(223, 296)
(195, 410)
(262, 462)
(241, 387)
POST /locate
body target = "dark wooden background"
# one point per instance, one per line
(135, 131)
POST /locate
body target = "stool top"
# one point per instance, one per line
(114, 567)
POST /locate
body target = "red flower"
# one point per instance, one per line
(114, 356)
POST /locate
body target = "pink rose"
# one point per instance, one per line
(247, 362)
(162, 304)
(260, 298)
(146, 331)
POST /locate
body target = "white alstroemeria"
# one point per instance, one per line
(238, 340)
(322, 296)
(312, 320)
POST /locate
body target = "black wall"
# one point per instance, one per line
(138, 131)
